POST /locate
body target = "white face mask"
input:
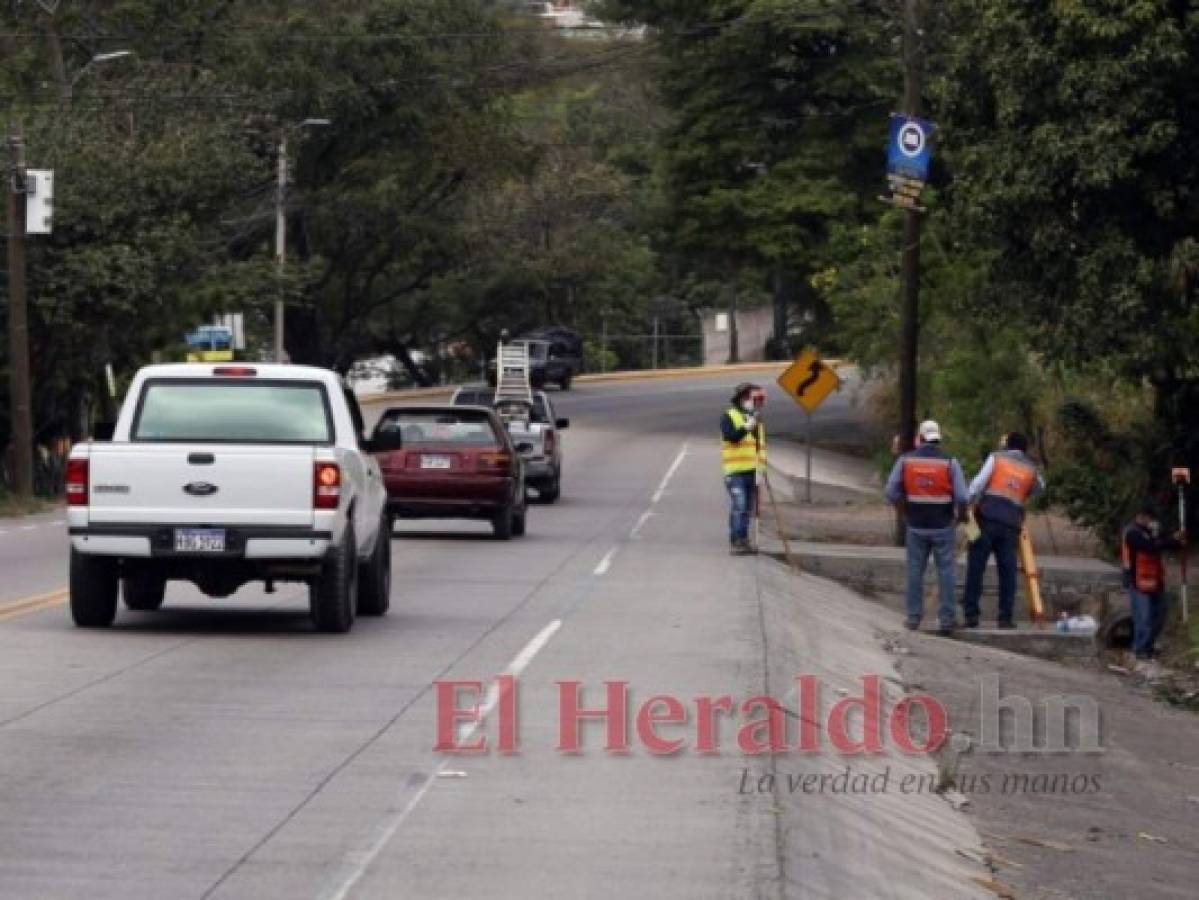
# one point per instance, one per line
(748, 406)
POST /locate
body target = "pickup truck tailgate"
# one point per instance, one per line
(201, 484)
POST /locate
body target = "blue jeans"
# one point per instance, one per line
(743, 492)
(920, 543)
(1148, 619)
(1001, 540)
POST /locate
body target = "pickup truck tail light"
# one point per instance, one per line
(77, 478)
(494, 462)
(548, 443)
(326, 485)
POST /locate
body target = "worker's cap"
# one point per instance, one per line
(743, 390)
(930, 431)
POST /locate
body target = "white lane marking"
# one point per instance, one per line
(661, 491)
(358, 863)
(606, 563)
(30, 527)
(2, 533)
(678, 461)
(641, 522)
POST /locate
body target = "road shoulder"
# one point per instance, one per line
(1121, 823)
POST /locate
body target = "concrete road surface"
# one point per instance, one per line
(224, 749)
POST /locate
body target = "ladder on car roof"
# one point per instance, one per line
(512, 372)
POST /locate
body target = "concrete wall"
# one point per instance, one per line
(754, 328)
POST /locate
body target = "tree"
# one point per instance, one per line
(775, 131)
(1068, 132)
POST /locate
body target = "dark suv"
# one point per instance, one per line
(564, 356)
(555, 357)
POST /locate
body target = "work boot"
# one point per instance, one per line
(912, 626)
(944, 630)
(1005, 624)
(971, 622)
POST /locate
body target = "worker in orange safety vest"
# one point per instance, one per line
(929, 485)
(1144, 572)
(999, 494)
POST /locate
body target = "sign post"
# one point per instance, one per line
(808, 381)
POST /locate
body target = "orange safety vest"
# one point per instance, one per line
(1146, 570)
(747, 454)
(927, 479)
(1011, 479)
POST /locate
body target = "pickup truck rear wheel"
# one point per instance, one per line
(331, 599)
(552, 490)
(94, 581)
(518, 520)
(564, 382)
(374, 579)
(143, 592)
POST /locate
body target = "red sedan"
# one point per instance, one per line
(451, 462)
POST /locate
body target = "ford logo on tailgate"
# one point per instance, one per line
(200, 489)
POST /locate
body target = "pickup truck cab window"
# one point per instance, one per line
(233, 410)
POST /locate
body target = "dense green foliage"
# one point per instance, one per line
(1069, 130)
(467, 181)
(772, 145)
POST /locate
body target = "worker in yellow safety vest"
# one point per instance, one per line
(742, 457)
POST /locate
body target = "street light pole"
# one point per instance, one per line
(20, 403)
(281, 227)
(280, 241)
(98, 59)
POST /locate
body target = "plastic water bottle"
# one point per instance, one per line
(1063, 622)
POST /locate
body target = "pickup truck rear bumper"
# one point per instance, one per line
(241, 542)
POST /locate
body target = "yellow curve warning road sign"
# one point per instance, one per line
(809, 380)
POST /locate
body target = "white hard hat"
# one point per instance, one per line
(930, 431)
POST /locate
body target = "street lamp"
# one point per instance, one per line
(281, 223)
(96, 60)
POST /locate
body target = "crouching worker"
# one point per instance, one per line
(1145, 578)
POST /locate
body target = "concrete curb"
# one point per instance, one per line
(876, 841)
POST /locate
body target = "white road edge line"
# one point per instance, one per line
(358, 863)
(606, 563)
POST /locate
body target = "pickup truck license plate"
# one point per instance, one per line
(435, 462)
(199, 540)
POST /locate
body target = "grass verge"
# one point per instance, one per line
(12, 506)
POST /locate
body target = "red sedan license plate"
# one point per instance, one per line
(434, 462)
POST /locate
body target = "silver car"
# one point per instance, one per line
(543, 462)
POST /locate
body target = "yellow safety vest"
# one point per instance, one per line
(747, 454)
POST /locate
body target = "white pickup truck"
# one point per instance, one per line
(224, 475)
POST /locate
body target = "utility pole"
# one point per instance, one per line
(280, 240)
(913, 89)
(281, 224)
(21, 416)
